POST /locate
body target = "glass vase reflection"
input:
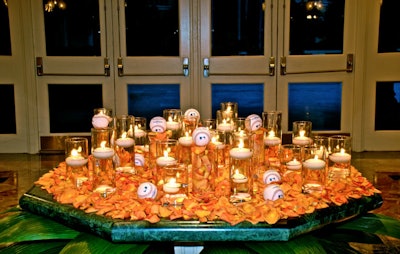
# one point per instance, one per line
(124, 143)
(102, 161)
(339, 157)
(175, 184)
(76, 152)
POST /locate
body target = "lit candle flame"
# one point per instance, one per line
(271, 134)
(103, 144)
(76, 152)
(241, 144)
(302, 132)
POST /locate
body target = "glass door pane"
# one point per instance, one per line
(233, 36)
(315, 45)
(74, 73)
(70, 37)
(237, 46)
(154, 37)
(5, 42)
(152, 28)
(317, 36)
(14, 97)
(72, 28)
(237, 28)
(381, 125)
(388, 40)
(316, 27)
(152, 54)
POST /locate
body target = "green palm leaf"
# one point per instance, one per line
(87, 243)
(375, 224)
(20, 226)
(22, 232)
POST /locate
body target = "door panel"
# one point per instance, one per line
(72, 80)
(15, 130)
(382, 132)
(160, 26)
(251, 48)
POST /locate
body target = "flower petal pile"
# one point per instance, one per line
(125, 204)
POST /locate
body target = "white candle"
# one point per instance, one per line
(271, 139)
(171, 186)
(186, 140)
(172, 125)
(219, 145)
(103, 152)
(239, 178)
(125, 142)
(225, 126)
(314, 163)
(293, 165)
(165, 160)
(341, 157)
(301, 140)
(139, 132)
(76, 159)
(240, 152)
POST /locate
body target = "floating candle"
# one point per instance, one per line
(293, 165)
(172, 125)
(271, 139)
(103, 152)
(171, 186)
(240, 152)
(186, 140)
(76, 159)
(165, 160)
(340, 157)
(301, 140)
(125, 141)
(239, 178)
(139, 132)
(218, 145)
(314, 163)
(225, 126)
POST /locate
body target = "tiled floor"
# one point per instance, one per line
(19, 171)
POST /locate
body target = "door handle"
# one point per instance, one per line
(206, 67)
(271, 66)
(185, 66)
(120, 67)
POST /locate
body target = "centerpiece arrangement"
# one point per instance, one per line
(186, 168)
